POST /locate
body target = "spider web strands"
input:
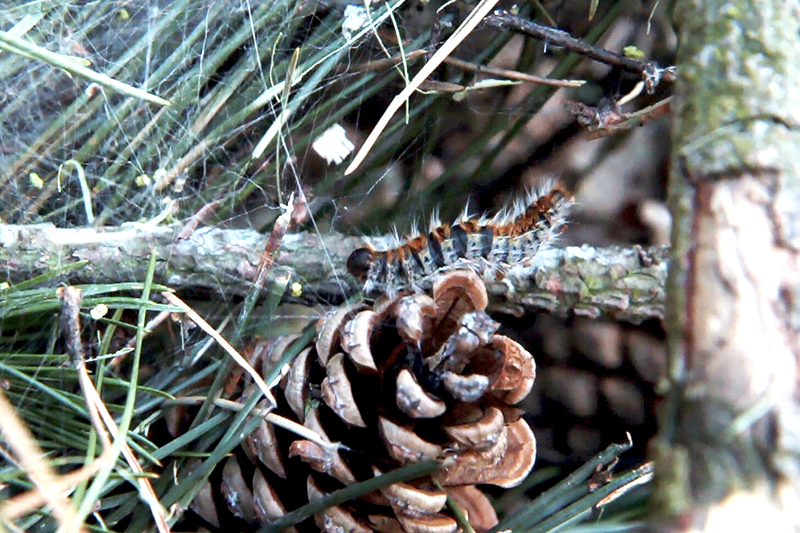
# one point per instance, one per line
(16, 45)
(86, 105)
(276, 90)
(322, 57)
(167, 146)
(93, 122)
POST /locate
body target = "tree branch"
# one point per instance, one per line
(648, 70)
(622, 283)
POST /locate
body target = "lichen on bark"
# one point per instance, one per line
(734, 278)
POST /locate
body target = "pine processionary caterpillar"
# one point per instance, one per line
(487, 245)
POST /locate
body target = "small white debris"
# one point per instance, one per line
(297, 289)
(93, 89)
(99, 311)
(333, 145)
(36, 181)
(355, 18)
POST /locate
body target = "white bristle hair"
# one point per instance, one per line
(494, 262)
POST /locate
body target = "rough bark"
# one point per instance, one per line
(626, 284)
(726, 456)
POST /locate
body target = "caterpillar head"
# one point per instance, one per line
(359, 262)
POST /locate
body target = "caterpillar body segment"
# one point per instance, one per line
(487, 245)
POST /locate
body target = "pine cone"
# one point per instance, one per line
(413, 377)
(596, 380)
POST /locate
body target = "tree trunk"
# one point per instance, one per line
(727, 452)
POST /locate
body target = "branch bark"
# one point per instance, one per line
(727, 452)
(626, 284)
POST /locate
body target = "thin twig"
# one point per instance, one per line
(373, 65)
(650, 72)
(70, 323)
(604, 120)
(381, 64)
(636, 119)
(71, 333)
(511, 74)
(295, 212)
(198, 218)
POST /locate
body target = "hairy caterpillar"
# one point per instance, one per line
(487, 245)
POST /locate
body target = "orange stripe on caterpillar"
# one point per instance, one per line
(488, 245)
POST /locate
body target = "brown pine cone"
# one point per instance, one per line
(413, 377)
(596, 381)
